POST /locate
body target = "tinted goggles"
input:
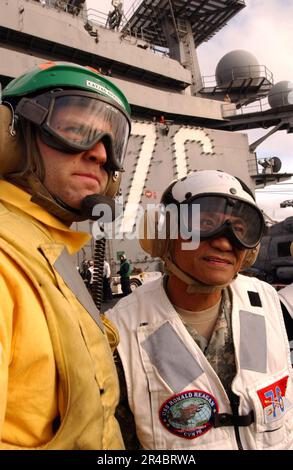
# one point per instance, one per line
(239, 221)
(75, 121)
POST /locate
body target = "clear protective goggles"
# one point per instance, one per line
(75, 121)
(239, 221)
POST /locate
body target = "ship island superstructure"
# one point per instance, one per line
(181, 121)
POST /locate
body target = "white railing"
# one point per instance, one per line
(131, 10)
(60, 5)
(96, 18)
(257, 106)
(245, 72)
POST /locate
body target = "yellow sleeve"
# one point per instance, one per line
(6, 324)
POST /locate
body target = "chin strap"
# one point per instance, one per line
(43, 198)
(68, 214)
(40, 196)
(193, 285)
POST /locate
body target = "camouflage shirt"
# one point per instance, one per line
(220, 349)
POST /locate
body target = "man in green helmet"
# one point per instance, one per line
(63, 137)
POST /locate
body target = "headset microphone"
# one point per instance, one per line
(100, 208)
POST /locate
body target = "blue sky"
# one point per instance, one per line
(263, 28)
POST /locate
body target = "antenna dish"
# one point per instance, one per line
(238, 64)
(281, 94)
(270, 165)
(277, 164)
(287, 203)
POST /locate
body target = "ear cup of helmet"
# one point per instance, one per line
(153, 236)
(113, 184)
(250, 258)
(11, 147)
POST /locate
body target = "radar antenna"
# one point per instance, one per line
(270, 165)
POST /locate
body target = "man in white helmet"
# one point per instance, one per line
(203, 353)
(286, 297)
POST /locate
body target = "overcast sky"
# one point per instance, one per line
(265, 29)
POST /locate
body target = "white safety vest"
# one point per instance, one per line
(286, 296)
(174, 393)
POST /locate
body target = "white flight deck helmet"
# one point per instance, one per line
(216, 193)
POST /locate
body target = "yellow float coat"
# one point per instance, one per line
(58, 382)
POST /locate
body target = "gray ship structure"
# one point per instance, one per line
(181, 120)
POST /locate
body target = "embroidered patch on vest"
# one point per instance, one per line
(274, 401)
(254, 299)
(188, 414)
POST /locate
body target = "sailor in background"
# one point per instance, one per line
(203, 354)
(115, 16)
(75, 6)
(125, 271)
(286, 297)
(107, 292)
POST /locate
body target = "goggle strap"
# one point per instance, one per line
(193, 284)
(31, 111)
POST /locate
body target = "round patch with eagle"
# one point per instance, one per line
(188, 414)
